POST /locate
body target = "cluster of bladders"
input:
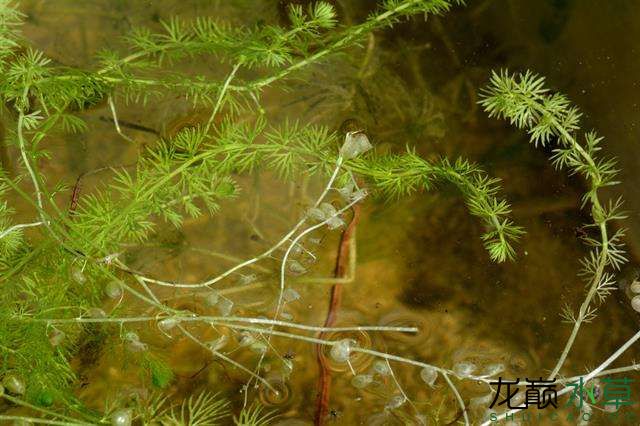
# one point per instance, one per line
(346, 352)
(634, 288)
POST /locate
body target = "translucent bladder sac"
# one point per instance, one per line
(341, 355)
(355, 144)
(280, 395)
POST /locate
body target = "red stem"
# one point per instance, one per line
(75, 195)
(324, 381)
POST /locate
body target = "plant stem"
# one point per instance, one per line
(261, 256)
(458, 398)
(346, 249)
(224, 320)
(115, 119)
(16, 419)
(223, 90)
(602, 261)
(626, 369)
(17, 227)
(22, 403)
(27, 164)
(600, 370)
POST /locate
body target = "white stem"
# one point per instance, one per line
(294, 243)
(458, 398)
(223, 91)
(23, 153)
(210, 349)
(632, 367)
(20, 419)
(371, 352)
(227, 320)
(115, 119)
(226, 358)
(266, 254)
(585, 378)
(19, 226)
(351, 276)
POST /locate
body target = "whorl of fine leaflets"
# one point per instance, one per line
(405, 8)
(262, 45)
(10, 21)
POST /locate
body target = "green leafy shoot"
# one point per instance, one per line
(549, 118)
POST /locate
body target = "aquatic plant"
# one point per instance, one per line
(549, 118)
(68, 281)
(70, 294)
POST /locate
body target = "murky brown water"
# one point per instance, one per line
(419, 260)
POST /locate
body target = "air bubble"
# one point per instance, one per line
(296, 267)
(340, 351)
(248, 279)
(328, 210)
(316, 214)
(121, 417)
(350, 194)
(464, 369)
(258, 347)
(481, 401)
(133, 342)
(56, 337)
(211, 299)
(78, 276)
(113, 289)
(429, 375)
(96, 313)
(493, 369)
(225, 306)
(335, 223)
(290, 295)
(381, 368)
(219, 343)
(167, 324)
(355, 144)
(14, 384)
(395, 402)
(361, 381)
(246, 339)
(635, 303)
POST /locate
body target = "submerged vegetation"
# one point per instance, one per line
(71, 294)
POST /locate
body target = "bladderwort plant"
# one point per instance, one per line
(56, 280)
(549, 118)
(64, 273)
